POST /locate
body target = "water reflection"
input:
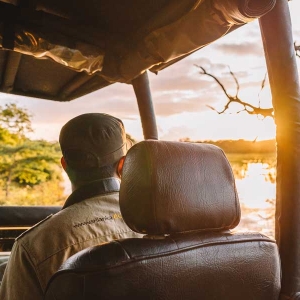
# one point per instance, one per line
(255, 188)
(255, 181)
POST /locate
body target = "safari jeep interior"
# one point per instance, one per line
(182, 197)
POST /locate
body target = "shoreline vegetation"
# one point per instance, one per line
(241, 146)
(241, 153)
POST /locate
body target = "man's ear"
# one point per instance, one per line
(63, 163)
(120, 166)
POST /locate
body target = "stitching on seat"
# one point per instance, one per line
(117, 242)
(215, 243)
(136, 259)
(237, 208)
(153, 189)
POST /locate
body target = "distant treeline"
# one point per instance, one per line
(241, 146)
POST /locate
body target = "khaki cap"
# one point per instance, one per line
(93, 140)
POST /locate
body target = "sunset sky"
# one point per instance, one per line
(181, 94)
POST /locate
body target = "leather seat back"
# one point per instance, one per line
(183, 198)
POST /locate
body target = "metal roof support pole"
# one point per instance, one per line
(11, 70)
(277, 38)
(143, 95)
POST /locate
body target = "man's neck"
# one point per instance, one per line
(79, 184)
(92, 189)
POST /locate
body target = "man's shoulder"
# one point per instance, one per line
(64, 223)
(93, 221)
(33, 227)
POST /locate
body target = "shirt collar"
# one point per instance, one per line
(95, 188)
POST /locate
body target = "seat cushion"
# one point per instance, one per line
(191, 266)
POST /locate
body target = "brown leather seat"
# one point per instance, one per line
(183, 198)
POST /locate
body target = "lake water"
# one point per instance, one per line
(257, 191)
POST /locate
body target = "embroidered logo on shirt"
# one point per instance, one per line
(98, 219)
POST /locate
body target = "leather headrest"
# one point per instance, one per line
(172, 187)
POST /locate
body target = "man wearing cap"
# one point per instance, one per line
(93, 147)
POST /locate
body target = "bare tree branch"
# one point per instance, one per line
(236, 82)
(263, 83)
(297, 49)
(216, 79)
(247, 107)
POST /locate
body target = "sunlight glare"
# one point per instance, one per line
(255, 189)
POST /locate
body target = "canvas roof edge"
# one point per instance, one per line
(161, 42)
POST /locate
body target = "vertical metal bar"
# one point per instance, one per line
(143, 94)
(277, 37)
(11, 71)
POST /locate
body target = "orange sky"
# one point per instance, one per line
(181, 94)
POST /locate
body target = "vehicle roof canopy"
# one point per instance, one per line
(66, 49)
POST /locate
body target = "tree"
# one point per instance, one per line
(297, 49)
(25, 163)
(15, 119)
(8, 138)
(247, 107)
(29, 163)
(131, 138)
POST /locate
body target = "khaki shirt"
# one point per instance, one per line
(39, 252)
